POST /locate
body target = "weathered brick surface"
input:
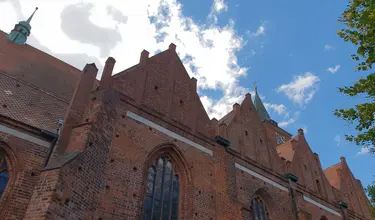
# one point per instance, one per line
(101, 174)
(24, 160)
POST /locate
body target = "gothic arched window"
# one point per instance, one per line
(162, 191)
(3, 173)
(259, 209)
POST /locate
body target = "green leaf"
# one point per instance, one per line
(359, 29)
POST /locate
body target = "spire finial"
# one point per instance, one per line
(32, 15)
(255, 87)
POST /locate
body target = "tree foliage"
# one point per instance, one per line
(371, 194)
(359, 21)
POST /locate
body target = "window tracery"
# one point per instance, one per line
(259, 209)
(162, 191)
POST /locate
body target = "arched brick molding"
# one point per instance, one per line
(171, 151)
(13, 167)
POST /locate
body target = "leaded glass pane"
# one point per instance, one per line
(259, 209)
(255, 209)
(162, 188)
(158, 189)
(175, 194)
(3, 176)
(167, 191)
(149, 192)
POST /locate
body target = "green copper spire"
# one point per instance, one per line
(258, 104)
(32, 15)
(21, 31)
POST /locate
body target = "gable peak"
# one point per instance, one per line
(172, 47)
(300, 131)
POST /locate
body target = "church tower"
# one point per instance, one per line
(21, 31)
(261, 110)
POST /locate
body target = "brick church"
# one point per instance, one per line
(139, 144)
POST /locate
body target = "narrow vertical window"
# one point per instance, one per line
(3, 173)
(162, 191)
(259, 209)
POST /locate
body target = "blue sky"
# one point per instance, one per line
(290, 48)
(300, 37)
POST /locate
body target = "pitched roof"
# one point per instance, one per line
(36, 88)
(23, 102)
(261, 110)
(35, 67)
(286, 150)
(333, 176)
(227, 118)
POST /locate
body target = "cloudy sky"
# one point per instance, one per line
(293, 54)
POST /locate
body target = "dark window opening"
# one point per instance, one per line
(259, 209)
(162, 191)
(4, 178)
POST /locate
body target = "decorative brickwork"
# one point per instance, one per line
(114, 130)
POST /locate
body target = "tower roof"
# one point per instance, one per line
(258, 104)
(21, 30)
(31, 16)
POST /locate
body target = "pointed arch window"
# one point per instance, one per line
(4, 178)
(259, 209)
(162, 191)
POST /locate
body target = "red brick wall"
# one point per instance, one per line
(24, 161)
(102, 173)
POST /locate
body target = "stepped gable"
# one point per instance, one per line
(351, 191)
(306, 165)
(162, 85)
(247, 133)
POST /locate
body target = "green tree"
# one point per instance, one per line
(371, 194)
(359, 21)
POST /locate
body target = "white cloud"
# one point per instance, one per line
(301, 89)
(290, 120)
(337, 139)
(150, 25)
(333, 69)
(305, 129)
(260, 31)
(279, 109)
(218, 108)
(328, 47)
(364, 151)
(219, 6)
(284, 124)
